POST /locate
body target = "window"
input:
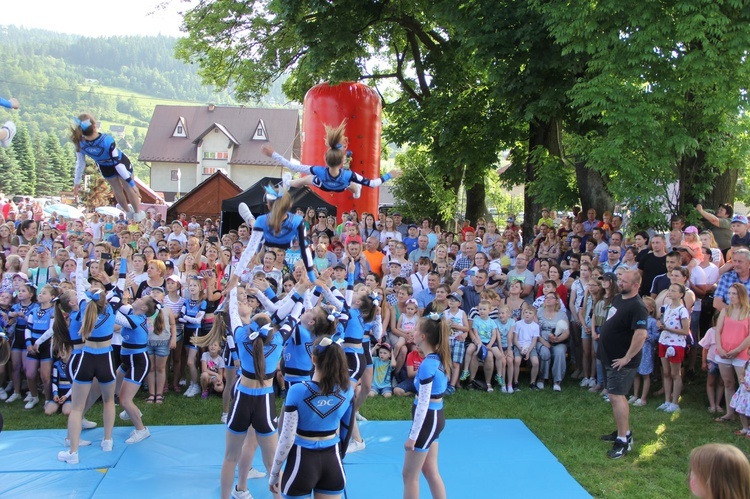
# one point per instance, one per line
(260, 131)
(211, 171)
(180, 131)
(216, 155)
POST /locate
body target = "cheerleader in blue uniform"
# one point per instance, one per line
(277, 229)
(25, 304)
(114, 166)
(317, 417)
(334, 177)
(39, 357)
(431, 381)
(133, 321)
(8, 130)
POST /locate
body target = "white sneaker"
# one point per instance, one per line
(359, 417)
(357, 191)
(27, 397)
(139, 217)
(241, 494)
(632, 399)
(138, 435)
(13, 397)
(592, 382)
(67, 457)
(584, 382)
(504, 389)
(33, 401)
(639, 403)
(81, 442)
(556, 388)
(355, 446)
(107, 445)
(253, 474)
(286, 180)
(11, 128)
(224, 417)
(182, 382)
(124, 415)
(663, 407)
(87, 425)
(509, 389)
(490, 389)
(672, 408)
(540, 385)
(246, 214)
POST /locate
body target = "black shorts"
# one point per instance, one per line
(258, 411)
(193, 333)
(226, 354)
(357, 364)
(135, 367)
(19, 339)
(44, 351)
(309, 470)
(620, 382)
(368, 354)
(434, 422)
(94, 365)
(74, 360)
(111, 171)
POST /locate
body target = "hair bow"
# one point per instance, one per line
(93, 296)
(339, 146)
(83, 125)
(56, 298)
(333, 316)
(272, 194)
(434, 316)
(3, 335)
(323, 345)
(159, 306)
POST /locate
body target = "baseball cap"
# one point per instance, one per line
(691, 230)
(394, 262)
(174, 277)
(482, 352)
(339, 266)
(397, 214)
(456, 296)
(158, 288)
(412, 226)
(88, 231)
(739, 219)
(21, 275)
(478, 240)
(384, 345)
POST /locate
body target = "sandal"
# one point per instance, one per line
(177, 389)
(151, 399)
(724, 419)
(160, 399)
(743, 431)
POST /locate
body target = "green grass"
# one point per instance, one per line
(568, 423)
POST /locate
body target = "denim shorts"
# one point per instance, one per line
(713, 368)
(159, 349)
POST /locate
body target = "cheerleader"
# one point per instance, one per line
(278, 229)
(39, 356)
(8, 130)
(259, 351)
(94, 363)
(335, 176)
(25, 305)
(431, 381)
(191, 315)
(133, 322)
(114, 166)
(311, 439)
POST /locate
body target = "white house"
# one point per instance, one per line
(185, 145)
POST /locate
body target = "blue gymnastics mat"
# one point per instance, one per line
(478, 458)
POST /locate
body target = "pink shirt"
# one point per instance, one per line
(733, 333)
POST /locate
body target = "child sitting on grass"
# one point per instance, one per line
(212, 370)
(382, 365)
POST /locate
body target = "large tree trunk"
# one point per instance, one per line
(724, 191)
(592, 188)
(475, 202)
(692, 171)
(547, 135)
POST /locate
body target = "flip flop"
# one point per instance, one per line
(724, 419)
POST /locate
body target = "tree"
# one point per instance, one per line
(62, 172)
(11, 180)
(668, 83)
(436, 100)
(24, 152)
(45, 176)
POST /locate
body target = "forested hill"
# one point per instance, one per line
(118, 79)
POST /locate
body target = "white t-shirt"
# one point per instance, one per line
(674, 318)
(457, 319)
(213, 364)
(96, 228)
(182, 238)
(526, 333)
(697, 277)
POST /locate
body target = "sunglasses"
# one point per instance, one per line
(613, 252)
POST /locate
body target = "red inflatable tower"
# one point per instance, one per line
(360, 106)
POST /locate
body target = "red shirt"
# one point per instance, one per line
(414, 359)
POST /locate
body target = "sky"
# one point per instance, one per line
(100, 18)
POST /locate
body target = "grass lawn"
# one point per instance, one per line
(568, 423)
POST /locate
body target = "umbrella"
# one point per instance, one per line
(109, 210)
(64, 210)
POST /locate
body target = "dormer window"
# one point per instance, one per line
(180, 130)
(260, 132)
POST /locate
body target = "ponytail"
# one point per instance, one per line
(4, 349)
(60, 331)
(155, 307)
(325, 323)
(216, 334)
(279, 209)
(90, 317)
(437, 329)
(330, 362)
(259, 353)
(335, 140)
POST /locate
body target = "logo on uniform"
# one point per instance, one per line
(324, 405)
